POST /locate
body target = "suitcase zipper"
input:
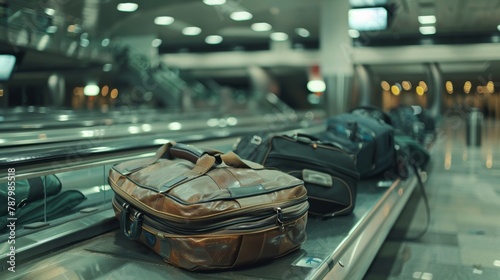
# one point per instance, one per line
(181, 220)
(276, 217)
(344, 171)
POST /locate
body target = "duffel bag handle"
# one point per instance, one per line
(173, 150)
(307, 137)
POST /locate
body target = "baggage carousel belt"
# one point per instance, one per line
(340, 247)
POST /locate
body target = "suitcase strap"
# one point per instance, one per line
(172, 150)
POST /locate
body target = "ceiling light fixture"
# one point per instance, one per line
(164, 20)
(316, 86)
(91, 90)
(191, 31)
(427, 30)
(302, 32)
(261, 26)
(427, 19)
(214, 2)
(241, 16)
(213, 39)
(279, 36)
(127, 7)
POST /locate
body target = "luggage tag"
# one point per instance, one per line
(316, 177)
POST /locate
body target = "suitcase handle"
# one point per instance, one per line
(173, 150)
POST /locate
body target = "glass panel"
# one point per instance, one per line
(50, 200)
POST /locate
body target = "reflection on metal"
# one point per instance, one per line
(447, 161)
(133, 129)
(161, 141)
(146, 127)
(364, 82)
(42, 44)
(174, 126)
(435, 97)
(422, 275)
(489, 160)
(63, 118)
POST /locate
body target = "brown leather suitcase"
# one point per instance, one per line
(204, 210)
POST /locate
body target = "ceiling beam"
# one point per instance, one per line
(359, 55)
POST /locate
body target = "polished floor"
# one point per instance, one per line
(463, 238)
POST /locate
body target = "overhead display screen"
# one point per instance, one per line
(7, 63)
(368, 19)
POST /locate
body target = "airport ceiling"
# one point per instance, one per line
(457, 21)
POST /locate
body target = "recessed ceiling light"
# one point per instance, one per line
(302, 32)
(316, 86)
(241, 15)
(156, 43)
(127, 7)
(91, 90)
(353, 33)
(191, 31)
(164, 20)
(214, 2)
(261, 26)
(213, 39)
(427, 30)
(427, 19)
(279, 36)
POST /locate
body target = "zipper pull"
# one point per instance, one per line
(279, 219)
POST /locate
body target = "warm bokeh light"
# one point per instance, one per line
(467, 86)
(490, 87)
(105, 90)
(114, 93)
(423, 85)
(395, 90)
(420, 90)
(406, 85)
(447, 161)
(385, 86)
(1, 92)
(78, 91)
(449, 87)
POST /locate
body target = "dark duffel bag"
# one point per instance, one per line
(371, 140)
(407, 123)
(204, 210)
(329, 173)
(372, 111)
(417, 154)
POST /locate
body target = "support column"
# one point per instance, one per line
(364, 86)
(435, 89)
(335, 55)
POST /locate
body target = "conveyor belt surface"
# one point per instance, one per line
(336, 248)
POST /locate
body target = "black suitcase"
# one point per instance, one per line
(371, 140)
(329, 173)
